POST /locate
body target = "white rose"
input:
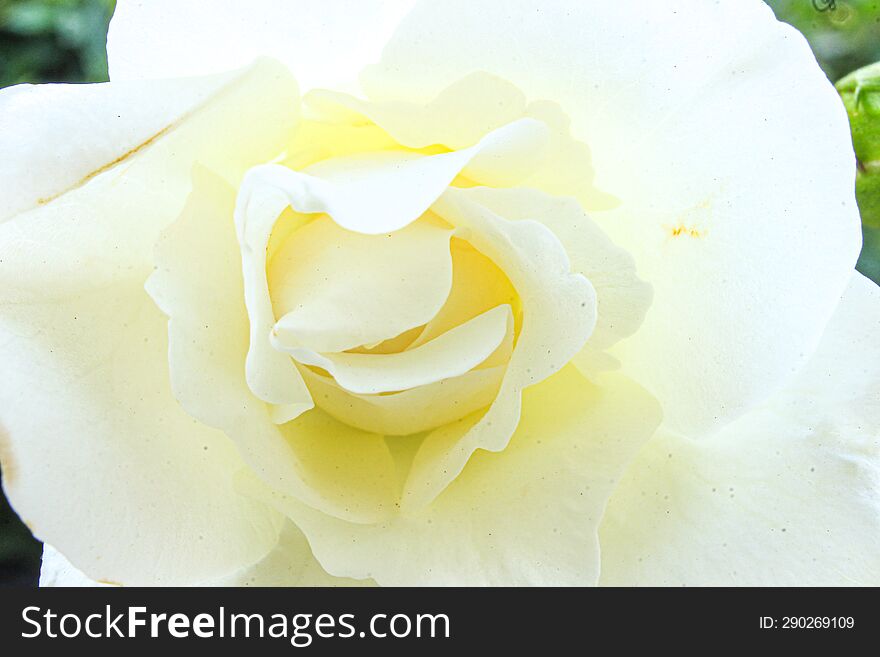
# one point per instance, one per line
(564, 295)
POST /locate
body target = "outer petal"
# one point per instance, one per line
(325, 42)
(100, 459)
(56, 570)
(788, 495)
(98, 456)
(525, 516)
(290, 563)
(65, 135)
(61, 135)
(728, 148)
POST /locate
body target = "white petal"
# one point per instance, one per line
(335, 290)
(100, 459)
(289, 563)
(56, 570)
(61, 135)
(525, 516)
(324, 42)
(450, 355)
(788, 495)
(382, 193)
(727, 147)
(101, 454)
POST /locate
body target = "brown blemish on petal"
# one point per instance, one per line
(109, 165)
(7, 462)
(108, 582)
(217, 95)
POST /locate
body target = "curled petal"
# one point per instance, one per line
(334, 290)
(382, 193)
(452, 354)
(622, 297)
(409, 411)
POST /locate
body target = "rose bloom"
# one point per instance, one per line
(555, 293)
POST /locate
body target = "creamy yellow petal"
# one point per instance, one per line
(290, 563)
(409, 411)
(333, 289)
(559, 313)
(99, 458)
(528, 515)
(449, 355)
(477, 285)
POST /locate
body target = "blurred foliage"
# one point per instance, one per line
(845, 34)
(19, 552)
(53, 40)
(64, 40)
(860, 92)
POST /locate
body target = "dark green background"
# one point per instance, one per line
(63, 40)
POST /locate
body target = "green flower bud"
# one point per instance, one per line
(861, 95)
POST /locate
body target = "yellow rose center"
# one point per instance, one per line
(395, 333)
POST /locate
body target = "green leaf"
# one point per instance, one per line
(860, 92)
(869, 260)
